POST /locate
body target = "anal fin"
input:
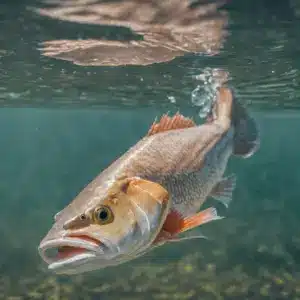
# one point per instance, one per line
(224, 189)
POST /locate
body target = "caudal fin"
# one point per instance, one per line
(246, 136)
(228, 111)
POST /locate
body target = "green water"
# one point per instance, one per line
(61, 124)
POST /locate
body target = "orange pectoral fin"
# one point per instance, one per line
(205, 216)
(176, 224)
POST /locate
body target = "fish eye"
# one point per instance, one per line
(103, 215)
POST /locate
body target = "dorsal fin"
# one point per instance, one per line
(167, 123)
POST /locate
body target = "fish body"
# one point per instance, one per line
(183, 162)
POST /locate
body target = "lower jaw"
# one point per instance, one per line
(68, 265)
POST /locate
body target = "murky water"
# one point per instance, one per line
(62, 123)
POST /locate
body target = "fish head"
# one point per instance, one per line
(107, 228)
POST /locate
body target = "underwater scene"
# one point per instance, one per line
(83, 81)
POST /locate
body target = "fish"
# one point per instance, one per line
(153, 193)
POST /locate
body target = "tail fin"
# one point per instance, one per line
(228, 111)
(246, 136)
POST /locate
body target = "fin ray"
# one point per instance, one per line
(224, 189)
(175, 224)
(167, 123)
(205, 216)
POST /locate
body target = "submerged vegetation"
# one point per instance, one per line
(188, 278)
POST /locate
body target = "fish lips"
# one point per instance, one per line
(62, 253)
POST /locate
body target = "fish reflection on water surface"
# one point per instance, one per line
(161, 30)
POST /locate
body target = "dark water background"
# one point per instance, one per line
(61, 124)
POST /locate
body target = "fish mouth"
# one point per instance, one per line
(70, 249)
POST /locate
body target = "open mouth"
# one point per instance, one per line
(69, 249)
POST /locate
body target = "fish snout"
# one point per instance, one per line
(64, 246)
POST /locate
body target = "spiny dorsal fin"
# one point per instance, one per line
(167, 123)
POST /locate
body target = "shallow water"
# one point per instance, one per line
(61, 124)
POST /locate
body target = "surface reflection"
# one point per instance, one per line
(259, 49)
(162, 30)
